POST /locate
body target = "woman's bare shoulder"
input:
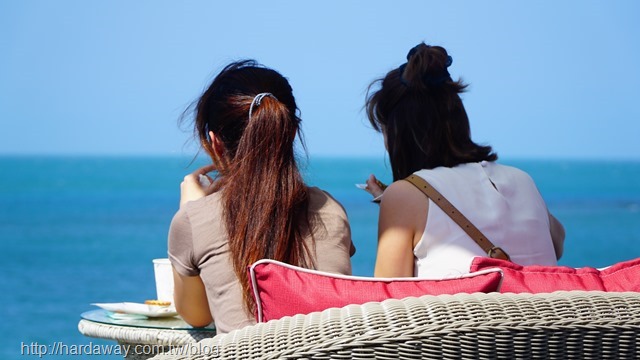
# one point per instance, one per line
(402, 192)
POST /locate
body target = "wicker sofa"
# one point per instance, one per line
(559, 325)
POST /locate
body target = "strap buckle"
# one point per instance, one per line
(496, 252)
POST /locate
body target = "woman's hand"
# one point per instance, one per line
(375, 188)
(192, 188)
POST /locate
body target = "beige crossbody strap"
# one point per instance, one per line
(444, 204)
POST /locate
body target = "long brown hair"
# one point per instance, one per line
(264, 196)
(419, 109)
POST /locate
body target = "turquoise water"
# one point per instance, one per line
(77, 230)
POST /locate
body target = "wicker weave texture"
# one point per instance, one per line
(136, 335)
(561, 325)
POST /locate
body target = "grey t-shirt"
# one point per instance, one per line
(198, 245)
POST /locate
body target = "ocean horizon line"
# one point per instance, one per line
(202, 157)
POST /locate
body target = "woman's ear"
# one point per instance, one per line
(217, 146)
(217, 151)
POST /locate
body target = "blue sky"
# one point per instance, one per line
(549, 79)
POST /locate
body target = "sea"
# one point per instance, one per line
(76, 230)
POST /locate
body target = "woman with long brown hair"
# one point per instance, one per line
(257, 206)
(418, 109)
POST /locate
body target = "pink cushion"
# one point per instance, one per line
(623, 276)
(538, 279)
(285, 290)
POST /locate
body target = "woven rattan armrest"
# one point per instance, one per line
(560, 325)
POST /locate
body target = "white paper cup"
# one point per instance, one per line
(164, 279)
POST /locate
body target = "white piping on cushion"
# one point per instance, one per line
(352, 277)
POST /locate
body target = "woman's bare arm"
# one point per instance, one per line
(190, 298)
(401, 222)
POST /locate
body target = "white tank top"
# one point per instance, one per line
(502, 201)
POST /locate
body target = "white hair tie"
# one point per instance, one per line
(256, 101)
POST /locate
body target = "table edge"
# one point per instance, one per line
(139, 335)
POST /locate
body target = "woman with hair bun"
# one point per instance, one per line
(418, 110)
(257, 206)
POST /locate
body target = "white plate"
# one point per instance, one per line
(139, 309)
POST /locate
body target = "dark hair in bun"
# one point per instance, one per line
(418, 107)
